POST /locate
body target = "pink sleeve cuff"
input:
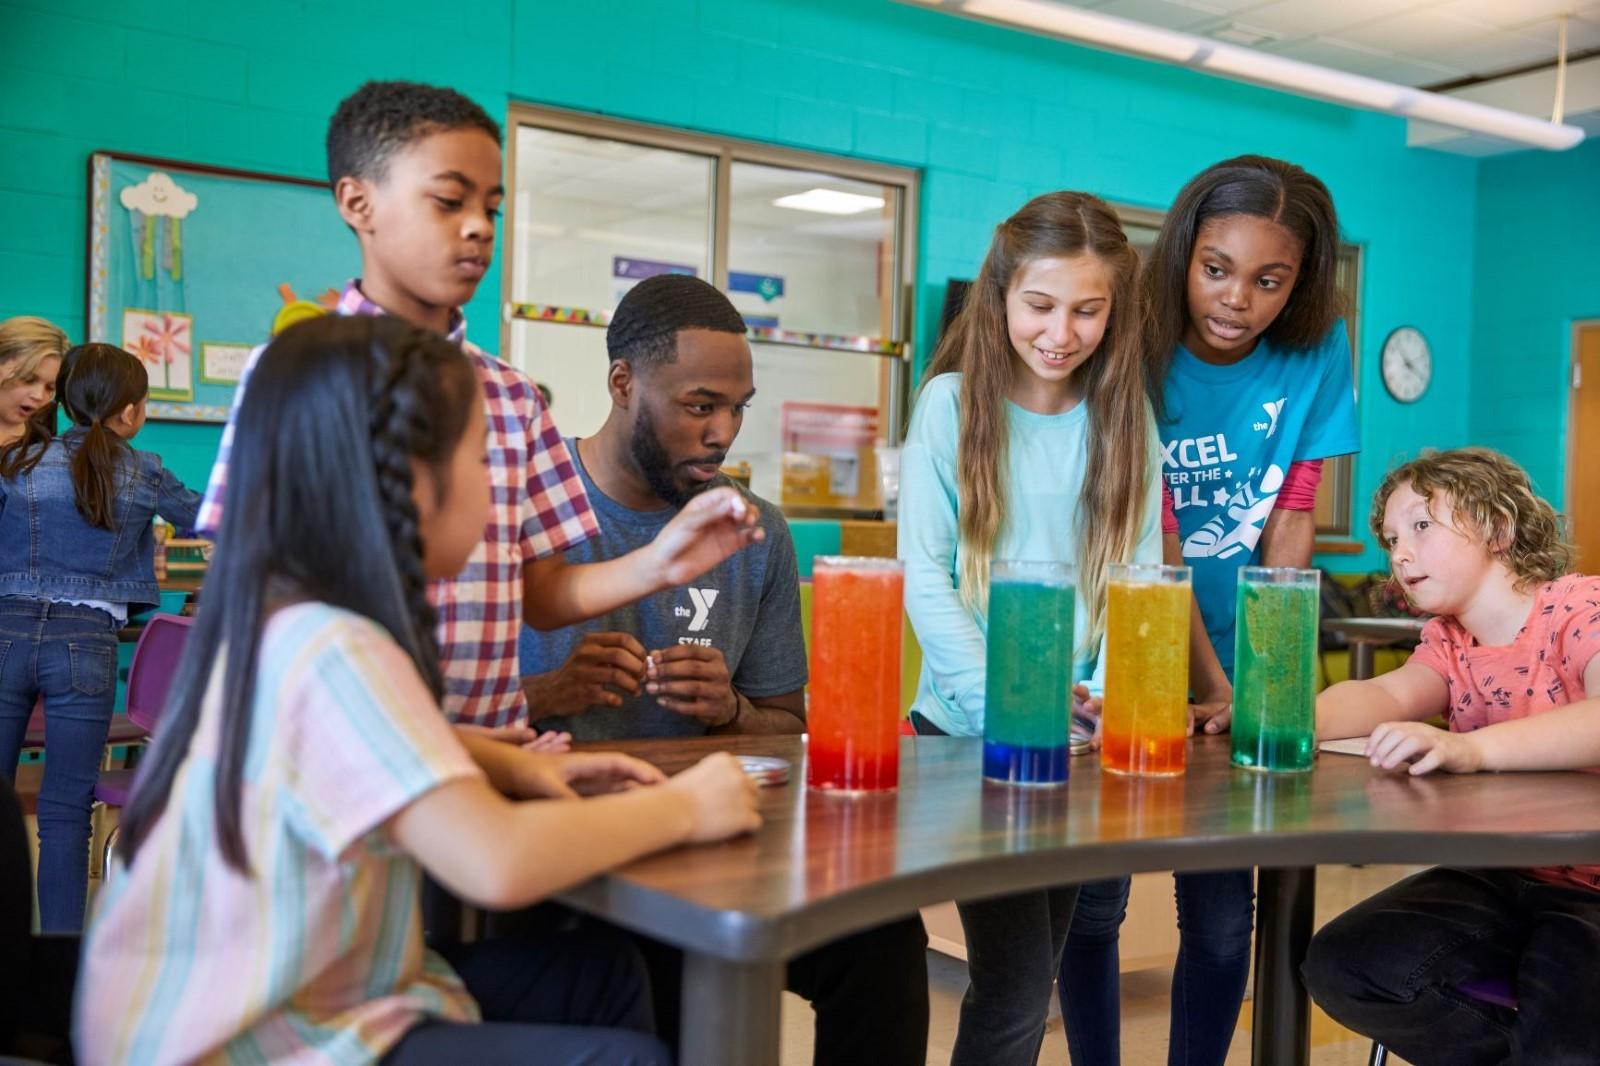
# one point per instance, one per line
(1299, 491)
(1169, 517)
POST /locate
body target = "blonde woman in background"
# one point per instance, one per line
(30, 357)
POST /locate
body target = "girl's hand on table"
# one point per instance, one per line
(1425, 747)
(1086, 709)
(568, 776)
(1211, 716)
(722, 798)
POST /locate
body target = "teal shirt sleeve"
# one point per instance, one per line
(952, 643)
(1146, 550)
(1331, 427)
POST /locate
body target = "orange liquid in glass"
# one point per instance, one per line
(853, 716)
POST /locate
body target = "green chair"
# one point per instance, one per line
(813, 537)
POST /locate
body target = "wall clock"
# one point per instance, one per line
(1407, 364)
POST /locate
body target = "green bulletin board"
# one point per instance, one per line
(190, 266)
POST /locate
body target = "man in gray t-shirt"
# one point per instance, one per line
(727, 649)
(723, 654)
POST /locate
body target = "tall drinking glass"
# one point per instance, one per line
(1145, 720)
(853, 716)
(1275, 668)
(1027, 716)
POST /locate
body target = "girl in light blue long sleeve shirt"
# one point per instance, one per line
(1032, 439)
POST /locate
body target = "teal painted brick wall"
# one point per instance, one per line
(991, 117)
(1537, 272)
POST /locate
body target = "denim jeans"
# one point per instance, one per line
(1391, 968)
(1215, 914)
(1013, 950)
(69, 654)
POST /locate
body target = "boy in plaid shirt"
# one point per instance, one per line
(416, 176)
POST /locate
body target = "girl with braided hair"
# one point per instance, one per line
(76, 554)
(264, 903)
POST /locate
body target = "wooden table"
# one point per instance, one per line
(1365, 634)
(825, 866)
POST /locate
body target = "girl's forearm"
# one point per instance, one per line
(1355, 709)
(1567, 738)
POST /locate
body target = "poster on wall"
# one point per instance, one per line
(627, 271)
(758, 298)
(191, 266)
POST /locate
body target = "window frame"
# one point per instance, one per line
(724, 152)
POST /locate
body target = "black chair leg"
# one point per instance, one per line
(1380, 1055)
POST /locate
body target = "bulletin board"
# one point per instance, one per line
(190, 267)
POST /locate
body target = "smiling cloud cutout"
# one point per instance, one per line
(154, 198)
(159, 196)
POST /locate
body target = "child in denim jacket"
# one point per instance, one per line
(76, 554)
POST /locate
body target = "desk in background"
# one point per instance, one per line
(1365, 634)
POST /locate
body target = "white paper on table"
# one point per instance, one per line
(1352, 746)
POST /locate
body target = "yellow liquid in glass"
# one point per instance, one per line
(1146, 714)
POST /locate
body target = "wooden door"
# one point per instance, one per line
(1583, 489)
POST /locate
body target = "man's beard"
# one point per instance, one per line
(656, 466)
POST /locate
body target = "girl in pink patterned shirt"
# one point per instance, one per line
(1511, 661)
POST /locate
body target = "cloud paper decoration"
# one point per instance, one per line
(157, 197)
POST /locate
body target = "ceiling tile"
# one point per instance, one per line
(1167, 14)
(1491, 53)
(1507, 14)
(1584, 32)
(1371, 62)
(1303, 18)
(1416, 32)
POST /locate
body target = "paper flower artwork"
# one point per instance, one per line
(164, 342)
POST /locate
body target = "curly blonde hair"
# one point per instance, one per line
(1491, 497)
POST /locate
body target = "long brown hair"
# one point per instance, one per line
(1262, 187)
(1057, 225)
(97, 382)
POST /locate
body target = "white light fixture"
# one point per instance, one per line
(829, 202)
(1260, 68)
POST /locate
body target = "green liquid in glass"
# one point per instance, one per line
(1275, 677)
(1028, 688)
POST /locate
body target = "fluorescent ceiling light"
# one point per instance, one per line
(829, 202)
(1261, 68)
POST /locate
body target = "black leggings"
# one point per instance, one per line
(576, 997)
(1014, 948)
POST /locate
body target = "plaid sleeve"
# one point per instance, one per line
(555, 512)
(209, 519)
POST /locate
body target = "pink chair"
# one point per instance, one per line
(155, 662)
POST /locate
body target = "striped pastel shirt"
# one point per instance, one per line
(316, 957)
(539, 509)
